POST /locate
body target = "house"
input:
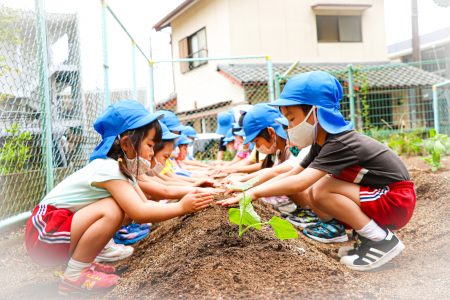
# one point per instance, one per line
(320, 34)
(287, 30)
(434, 48)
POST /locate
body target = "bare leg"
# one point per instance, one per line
(92, 227)
(338, 199)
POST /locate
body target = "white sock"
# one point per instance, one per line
(372, 231)
(74, 268)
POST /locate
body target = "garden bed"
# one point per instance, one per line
(200, 257)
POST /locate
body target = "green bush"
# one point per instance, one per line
(436, 146)
(15, 153)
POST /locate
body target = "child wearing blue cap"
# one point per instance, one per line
(225, 121)
(74, 222)
(154, 187)
(346, 176)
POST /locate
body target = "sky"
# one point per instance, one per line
(140, 15)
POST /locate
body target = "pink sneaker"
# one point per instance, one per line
(90, 281)
(107, 269)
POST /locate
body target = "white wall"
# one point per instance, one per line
(286, 29)
(204, 85)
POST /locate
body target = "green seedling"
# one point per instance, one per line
(243, 186)
(436, 146)
(246, 217)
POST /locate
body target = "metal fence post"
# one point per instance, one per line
(151, 93)
(270, 78)
(435, 109)
(278, 78)
(351, 97)
(133, 65)
(44, 92)
(107, 99)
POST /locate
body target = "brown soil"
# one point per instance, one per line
(200, 257)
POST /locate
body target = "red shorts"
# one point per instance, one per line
(47, 235)
(391, 206)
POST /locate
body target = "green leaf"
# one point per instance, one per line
(250, 217)
(234, 215)
(283, 229)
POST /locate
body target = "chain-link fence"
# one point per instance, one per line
(207, 86)
(47, 107)
(389, 97)
(45, 118)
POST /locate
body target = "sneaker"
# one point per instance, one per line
(90, 281)
(349, 250)
(287, 208)
(303, 218)
(107, 269)
(114, 252)
(370, 255)
(327, 232)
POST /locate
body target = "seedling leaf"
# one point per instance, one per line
(283, 229)
(234, 215)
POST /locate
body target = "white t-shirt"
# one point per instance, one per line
(77, 191)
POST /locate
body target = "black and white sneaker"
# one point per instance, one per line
(369, 255)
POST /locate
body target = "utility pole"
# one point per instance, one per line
(416, 57)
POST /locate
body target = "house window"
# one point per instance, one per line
(193, 46)
(331, 29)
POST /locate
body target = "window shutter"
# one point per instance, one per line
(184, 53)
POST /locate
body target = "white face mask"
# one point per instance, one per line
(138, 165)
(158, 167)
(304, 133)
(273, 148)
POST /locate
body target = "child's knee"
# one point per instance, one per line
(113, 211)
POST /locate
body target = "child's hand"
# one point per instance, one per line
(195, 201)
(234, 200)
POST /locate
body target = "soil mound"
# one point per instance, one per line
(200, 256)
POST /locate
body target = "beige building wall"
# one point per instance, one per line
(204, 85)
(286, 29)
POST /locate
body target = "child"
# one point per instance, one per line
(75, 221)
(156, 188)
(353, 178)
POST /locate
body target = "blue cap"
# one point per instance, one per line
(319, 89)
(171, 121)
(260, 117)
(182, 140)
(282, 121)
(118, 118)
(189, 131)
(167, 135)
(229, 137)
(225, 121)
(240, 133)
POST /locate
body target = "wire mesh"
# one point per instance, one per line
(23, 145)
(393, 96)
(205, 89)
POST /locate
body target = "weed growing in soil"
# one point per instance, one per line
(436, 145)
(246, 216)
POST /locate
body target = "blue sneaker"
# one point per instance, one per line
(327, 232)
(303, 218)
